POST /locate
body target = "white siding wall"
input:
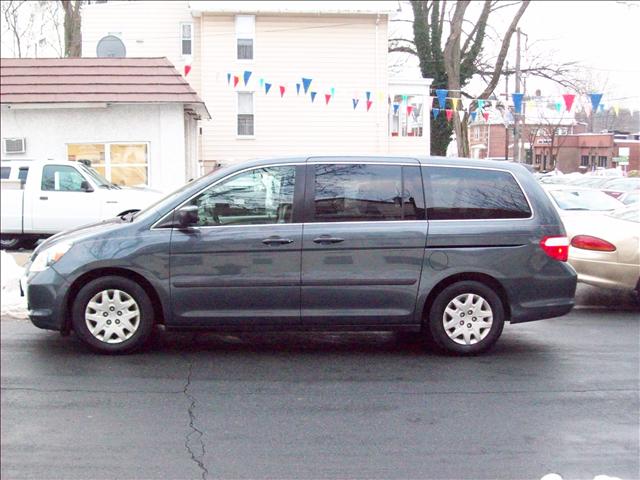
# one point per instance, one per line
(48, 131)
(336, 51)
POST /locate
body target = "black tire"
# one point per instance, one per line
(145, 319)
(10, 242)
(435, 328)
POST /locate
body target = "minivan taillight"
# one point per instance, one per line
(587, 242)
(556, 247)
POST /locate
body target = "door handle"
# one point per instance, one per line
(276, 241)
(327, 240)
(44, 198)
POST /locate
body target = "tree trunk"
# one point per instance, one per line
(72, 28)
(440, 135)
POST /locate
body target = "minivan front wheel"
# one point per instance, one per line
(466, 318)
(113, 315)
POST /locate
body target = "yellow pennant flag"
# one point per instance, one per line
(616, 108)
(454, 102)
(380, 96)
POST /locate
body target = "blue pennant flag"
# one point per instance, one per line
(441, 93)
(396, 106)
(247, 75)
(517, 101)
(601, 107)
(355, 103)
(313, 96)
(267, 87)
(368, 94)
(473, 114)
(435, 112)
(595, 100)
(297, 88)
(228, 78)
(305, 83)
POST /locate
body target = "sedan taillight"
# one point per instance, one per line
(587, 242)
(556, 247)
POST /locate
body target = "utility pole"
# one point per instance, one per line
(516, 116)
(506, 102)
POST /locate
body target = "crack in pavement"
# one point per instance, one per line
(198, 459)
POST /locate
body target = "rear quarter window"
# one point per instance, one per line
(454, 193)
(5, 172)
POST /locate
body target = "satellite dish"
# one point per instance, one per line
(111, 46)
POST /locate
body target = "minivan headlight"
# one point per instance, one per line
(49, 256)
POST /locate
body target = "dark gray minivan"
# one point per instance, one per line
(451, 248)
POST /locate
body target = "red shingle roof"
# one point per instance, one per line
(95, 80)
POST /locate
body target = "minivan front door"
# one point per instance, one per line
(364, 241)
(240, 265)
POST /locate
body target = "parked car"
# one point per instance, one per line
(448, 248)
(569, 199)
(631, 197)
(618, 186)
(41, 198)
(589, 181)
(605, 248)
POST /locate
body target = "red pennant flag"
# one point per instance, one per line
(281, 91)
(449, 114)
(236, 79)
(568, 100)
(409, 109)
(327, 97)
(369, 103)
(486, 116)
(187, 69)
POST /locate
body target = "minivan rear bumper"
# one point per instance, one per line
(541, 310)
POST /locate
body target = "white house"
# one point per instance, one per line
(340, 48)
(134, 119)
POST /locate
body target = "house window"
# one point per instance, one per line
(538, 159)
(186, 37)
(245, 114)
(602, 161)
(408, 119)
(584, 161)
(476, 132)
(245, 35)
(120, 163)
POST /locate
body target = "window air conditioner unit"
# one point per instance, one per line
(14, 145)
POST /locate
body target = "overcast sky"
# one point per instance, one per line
(603, 36)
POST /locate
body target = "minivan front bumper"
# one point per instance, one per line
(46, 293)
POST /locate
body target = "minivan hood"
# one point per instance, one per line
(80, 233)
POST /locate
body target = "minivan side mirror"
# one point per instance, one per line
(84, 186)
(187, 216)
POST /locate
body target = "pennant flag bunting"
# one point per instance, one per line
(558, 106)
(261, 82)
(409, 109)
(313, 96)
(466, 103)
(485, 115)
(355, 103)
(327, 97)
(454, 103)
(333, 91)
(246, 76)
(461, 114)
(568, 101)
(480, 103)
(517, 101)
(616, 108)
(187, 69)
(441, 93)
(474, 114)
(228, 78)
(435, 112)
(236, 79)
(368, 94)
(601, 107)
(267, 87)
(404, 98)
(380, 96)
(449, 113)
(369, 103)
(396, 106)
(305, 84)
(281, 91)
(297, 89)
(595, 100)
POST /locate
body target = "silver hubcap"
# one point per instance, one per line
(467, 319)
(112, 316)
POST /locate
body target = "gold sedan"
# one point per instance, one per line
(605, 248)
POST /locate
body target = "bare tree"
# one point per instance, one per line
(18, 22)
(72, 27)
(52, 18)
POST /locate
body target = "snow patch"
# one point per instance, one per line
(11, 303)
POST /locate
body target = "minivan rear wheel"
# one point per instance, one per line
(112, 315)
(466, 318)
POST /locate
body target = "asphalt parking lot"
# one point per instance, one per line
(555, 396)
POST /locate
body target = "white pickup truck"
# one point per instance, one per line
(41, 198)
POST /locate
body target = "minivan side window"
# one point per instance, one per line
(472, 194)
(61, 178)
(366, 192)
(257, 197)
